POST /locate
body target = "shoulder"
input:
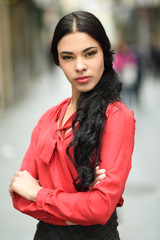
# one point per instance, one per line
(118, 108)
(119, 116)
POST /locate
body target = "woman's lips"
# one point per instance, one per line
(83, 79)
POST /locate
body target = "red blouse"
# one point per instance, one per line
(46, 160)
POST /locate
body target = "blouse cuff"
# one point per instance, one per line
(41, 196)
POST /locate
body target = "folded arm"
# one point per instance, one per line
(96, 205)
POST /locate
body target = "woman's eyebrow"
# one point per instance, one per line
(70, 53)
(65, 52)
(87, 49)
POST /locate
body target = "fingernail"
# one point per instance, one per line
(102, 170)
(103, 176)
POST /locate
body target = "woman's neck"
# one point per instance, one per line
(74, 99)
(73, 103)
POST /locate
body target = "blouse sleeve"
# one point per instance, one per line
(97, 205)
(23, 205)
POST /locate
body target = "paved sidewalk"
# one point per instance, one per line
(139, 217)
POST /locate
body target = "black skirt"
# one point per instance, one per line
(108, 231)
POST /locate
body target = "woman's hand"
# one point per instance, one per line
(100, 175)
(25, 185)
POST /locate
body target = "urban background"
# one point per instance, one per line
(30, 84)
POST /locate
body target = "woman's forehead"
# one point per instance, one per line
(76, 41)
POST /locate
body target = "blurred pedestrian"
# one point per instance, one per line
(126, 64)
(74, 172)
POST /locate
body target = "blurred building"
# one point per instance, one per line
(21, 47)
(6, 90)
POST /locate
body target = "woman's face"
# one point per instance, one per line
(82, 61)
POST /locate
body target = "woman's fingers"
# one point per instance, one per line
(99, 172)
(11, 186)
(11, 192)
(100, 175)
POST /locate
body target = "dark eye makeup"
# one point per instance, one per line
(87, 54)
(92, 53)
(66, 57)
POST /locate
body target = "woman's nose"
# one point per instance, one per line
(80, 65)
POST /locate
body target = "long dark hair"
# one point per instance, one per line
(91, 106)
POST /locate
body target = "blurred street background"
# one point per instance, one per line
(30, 84)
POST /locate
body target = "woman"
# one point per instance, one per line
(74, 172)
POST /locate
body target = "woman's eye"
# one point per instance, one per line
(67, 57)
(89, 54)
